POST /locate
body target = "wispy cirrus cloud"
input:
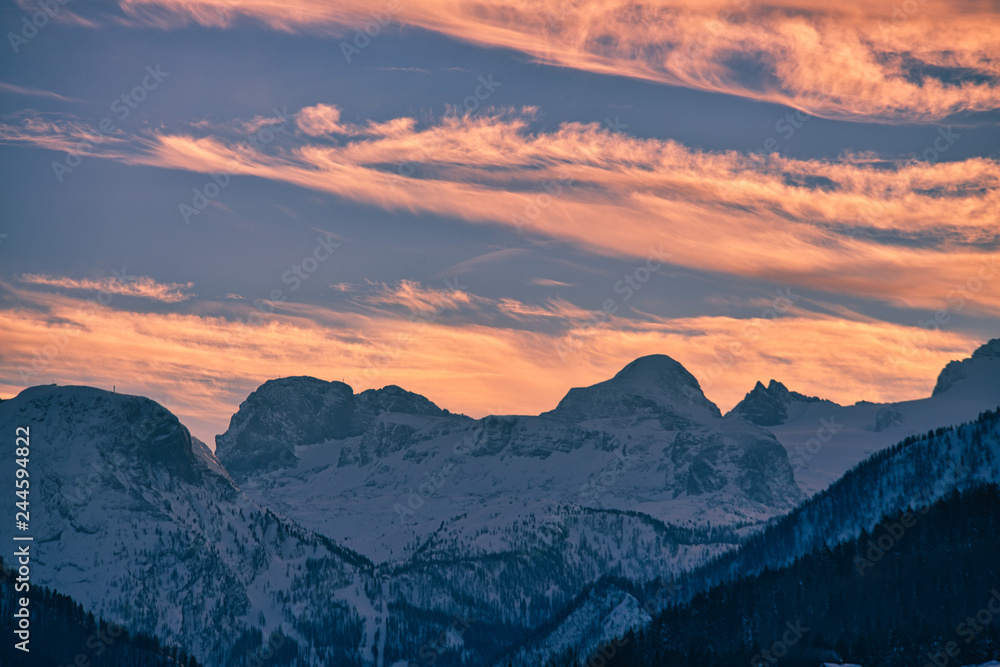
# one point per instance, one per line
(418, 299)
(59, 132)
(414, 297)
(11, 89)
(142, 287)
(548, 282)
(901, 232)
(320, 119)
(888, 62)
(551, 308)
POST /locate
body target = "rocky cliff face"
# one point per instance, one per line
(981, 367)
(768, 406)
(284, 413)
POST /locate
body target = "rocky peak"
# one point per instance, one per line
(393, 399)
(284, 413)
(768, 406)
(655, 385)
(74, 419)
(984, 362)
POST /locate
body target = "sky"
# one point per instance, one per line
(488, 203)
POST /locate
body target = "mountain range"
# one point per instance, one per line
(376, 528)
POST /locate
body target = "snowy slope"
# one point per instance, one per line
(138, 521)
(605, 613)
(647, 440)
(906, 477)
(508, 518)
(824, 440)
(505, 519)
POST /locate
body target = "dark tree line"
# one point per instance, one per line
(908, 604)
(63, 633)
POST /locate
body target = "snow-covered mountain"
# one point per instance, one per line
(853, 433)
(883, 497)
(504, 519)
(137, 519)
(647, 440)
(518, 513)
(909, 476)
(824, 439)
(363, 525)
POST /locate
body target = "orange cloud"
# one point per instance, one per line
(843, 226)
(202, 366)
(319, 119)
(552, 308)
(137, 286)
(412, 296)
(852, 59)
(58, 132)
(904, 233)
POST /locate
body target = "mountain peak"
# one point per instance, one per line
(768, 406)
(988, 350)
(652, 385)
(657, 370)
(280, 414)
(395, 399)
(981, 366)
(286, 412)
(75, 418)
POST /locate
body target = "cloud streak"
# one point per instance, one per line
(142, 287)
(911, 234)
(852, 59)
(11, 89)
